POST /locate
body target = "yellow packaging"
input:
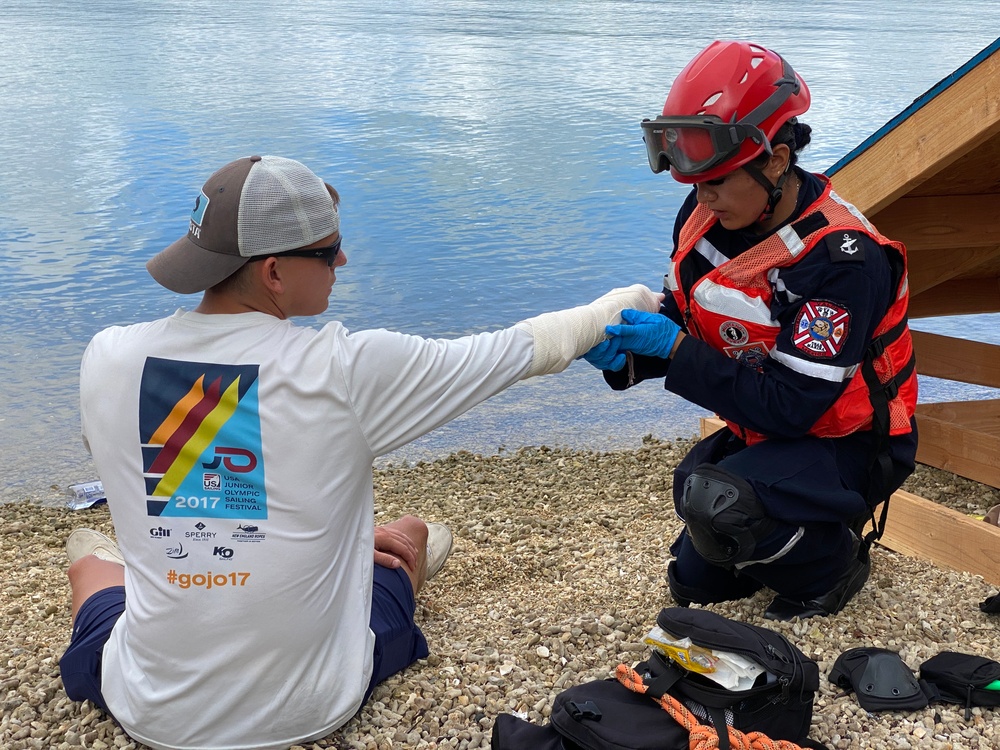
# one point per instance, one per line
(690, 656)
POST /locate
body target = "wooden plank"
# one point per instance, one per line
(932, 266)
(965, 176)
(961, 437)
(957, 359)
(981, 416)
(944, 222)
(709, 425)
(920, 528)
(952, 446)
(957, 120)
(957, 297)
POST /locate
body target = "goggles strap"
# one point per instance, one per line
(785, 87)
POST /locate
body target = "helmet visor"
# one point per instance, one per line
(693, 145)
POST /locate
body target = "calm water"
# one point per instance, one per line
(488, 154)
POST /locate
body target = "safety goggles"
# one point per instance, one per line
(328, 253)
(693, 145)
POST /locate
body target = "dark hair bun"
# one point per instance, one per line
(802, 134)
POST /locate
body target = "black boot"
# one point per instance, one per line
(851, 581)
(678, 590)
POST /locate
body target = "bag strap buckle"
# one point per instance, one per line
(585, 710)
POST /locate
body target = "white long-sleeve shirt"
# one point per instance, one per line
(237, 452)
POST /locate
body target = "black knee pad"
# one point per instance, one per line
(725, 518)
(880, 679)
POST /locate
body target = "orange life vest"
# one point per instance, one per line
(730, 309)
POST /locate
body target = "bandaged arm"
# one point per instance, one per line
(562, 336)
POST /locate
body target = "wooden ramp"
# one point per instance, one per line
(931, 178)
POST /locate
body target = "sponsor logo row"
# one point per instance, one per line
(200, 533)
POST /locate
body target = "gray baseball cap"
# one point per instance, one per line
(257, 205)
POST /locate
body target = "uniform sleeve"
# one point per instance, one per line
(828, 312)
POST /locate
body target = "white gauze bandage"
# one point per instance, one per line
(560, 337)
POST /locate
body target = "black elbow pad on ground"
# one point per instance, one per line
(880, 680)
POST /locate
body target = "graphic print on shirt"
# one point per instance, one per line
(199, 426)
(821, 329)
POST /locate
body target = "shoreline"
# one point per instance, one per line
(556, 574)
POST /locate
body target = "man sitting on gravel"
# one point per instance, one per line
(245, 607)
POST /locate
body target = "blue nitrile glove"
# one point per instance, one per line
(606, 356)
(646, 333)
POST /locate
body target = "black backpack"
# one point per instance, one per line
(607, 715)
(962, 679)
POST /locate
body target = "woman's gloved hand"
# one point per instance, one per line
(639, 332)
(645, 333)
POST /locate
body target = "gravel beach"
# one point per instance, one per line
(555, 577)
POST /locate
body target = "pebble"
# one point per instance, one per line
(556, 575)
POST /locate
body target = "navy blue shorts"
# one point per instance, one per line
(81, 664)
(398, 640)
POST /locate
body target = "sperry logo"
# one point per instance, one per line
(200, 535)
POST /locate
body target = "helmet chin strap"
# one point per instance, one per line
(774, 191)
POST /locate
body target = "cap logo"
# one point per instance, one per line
(198, 214)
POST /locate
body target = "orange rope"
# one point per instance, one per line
(702, 737)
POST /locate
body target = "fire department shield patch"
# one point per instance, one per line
(821, 329)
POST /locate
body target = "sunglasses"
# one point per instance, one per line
(328, 253)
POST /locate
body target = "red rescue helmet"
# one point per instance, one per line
(723, 110)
